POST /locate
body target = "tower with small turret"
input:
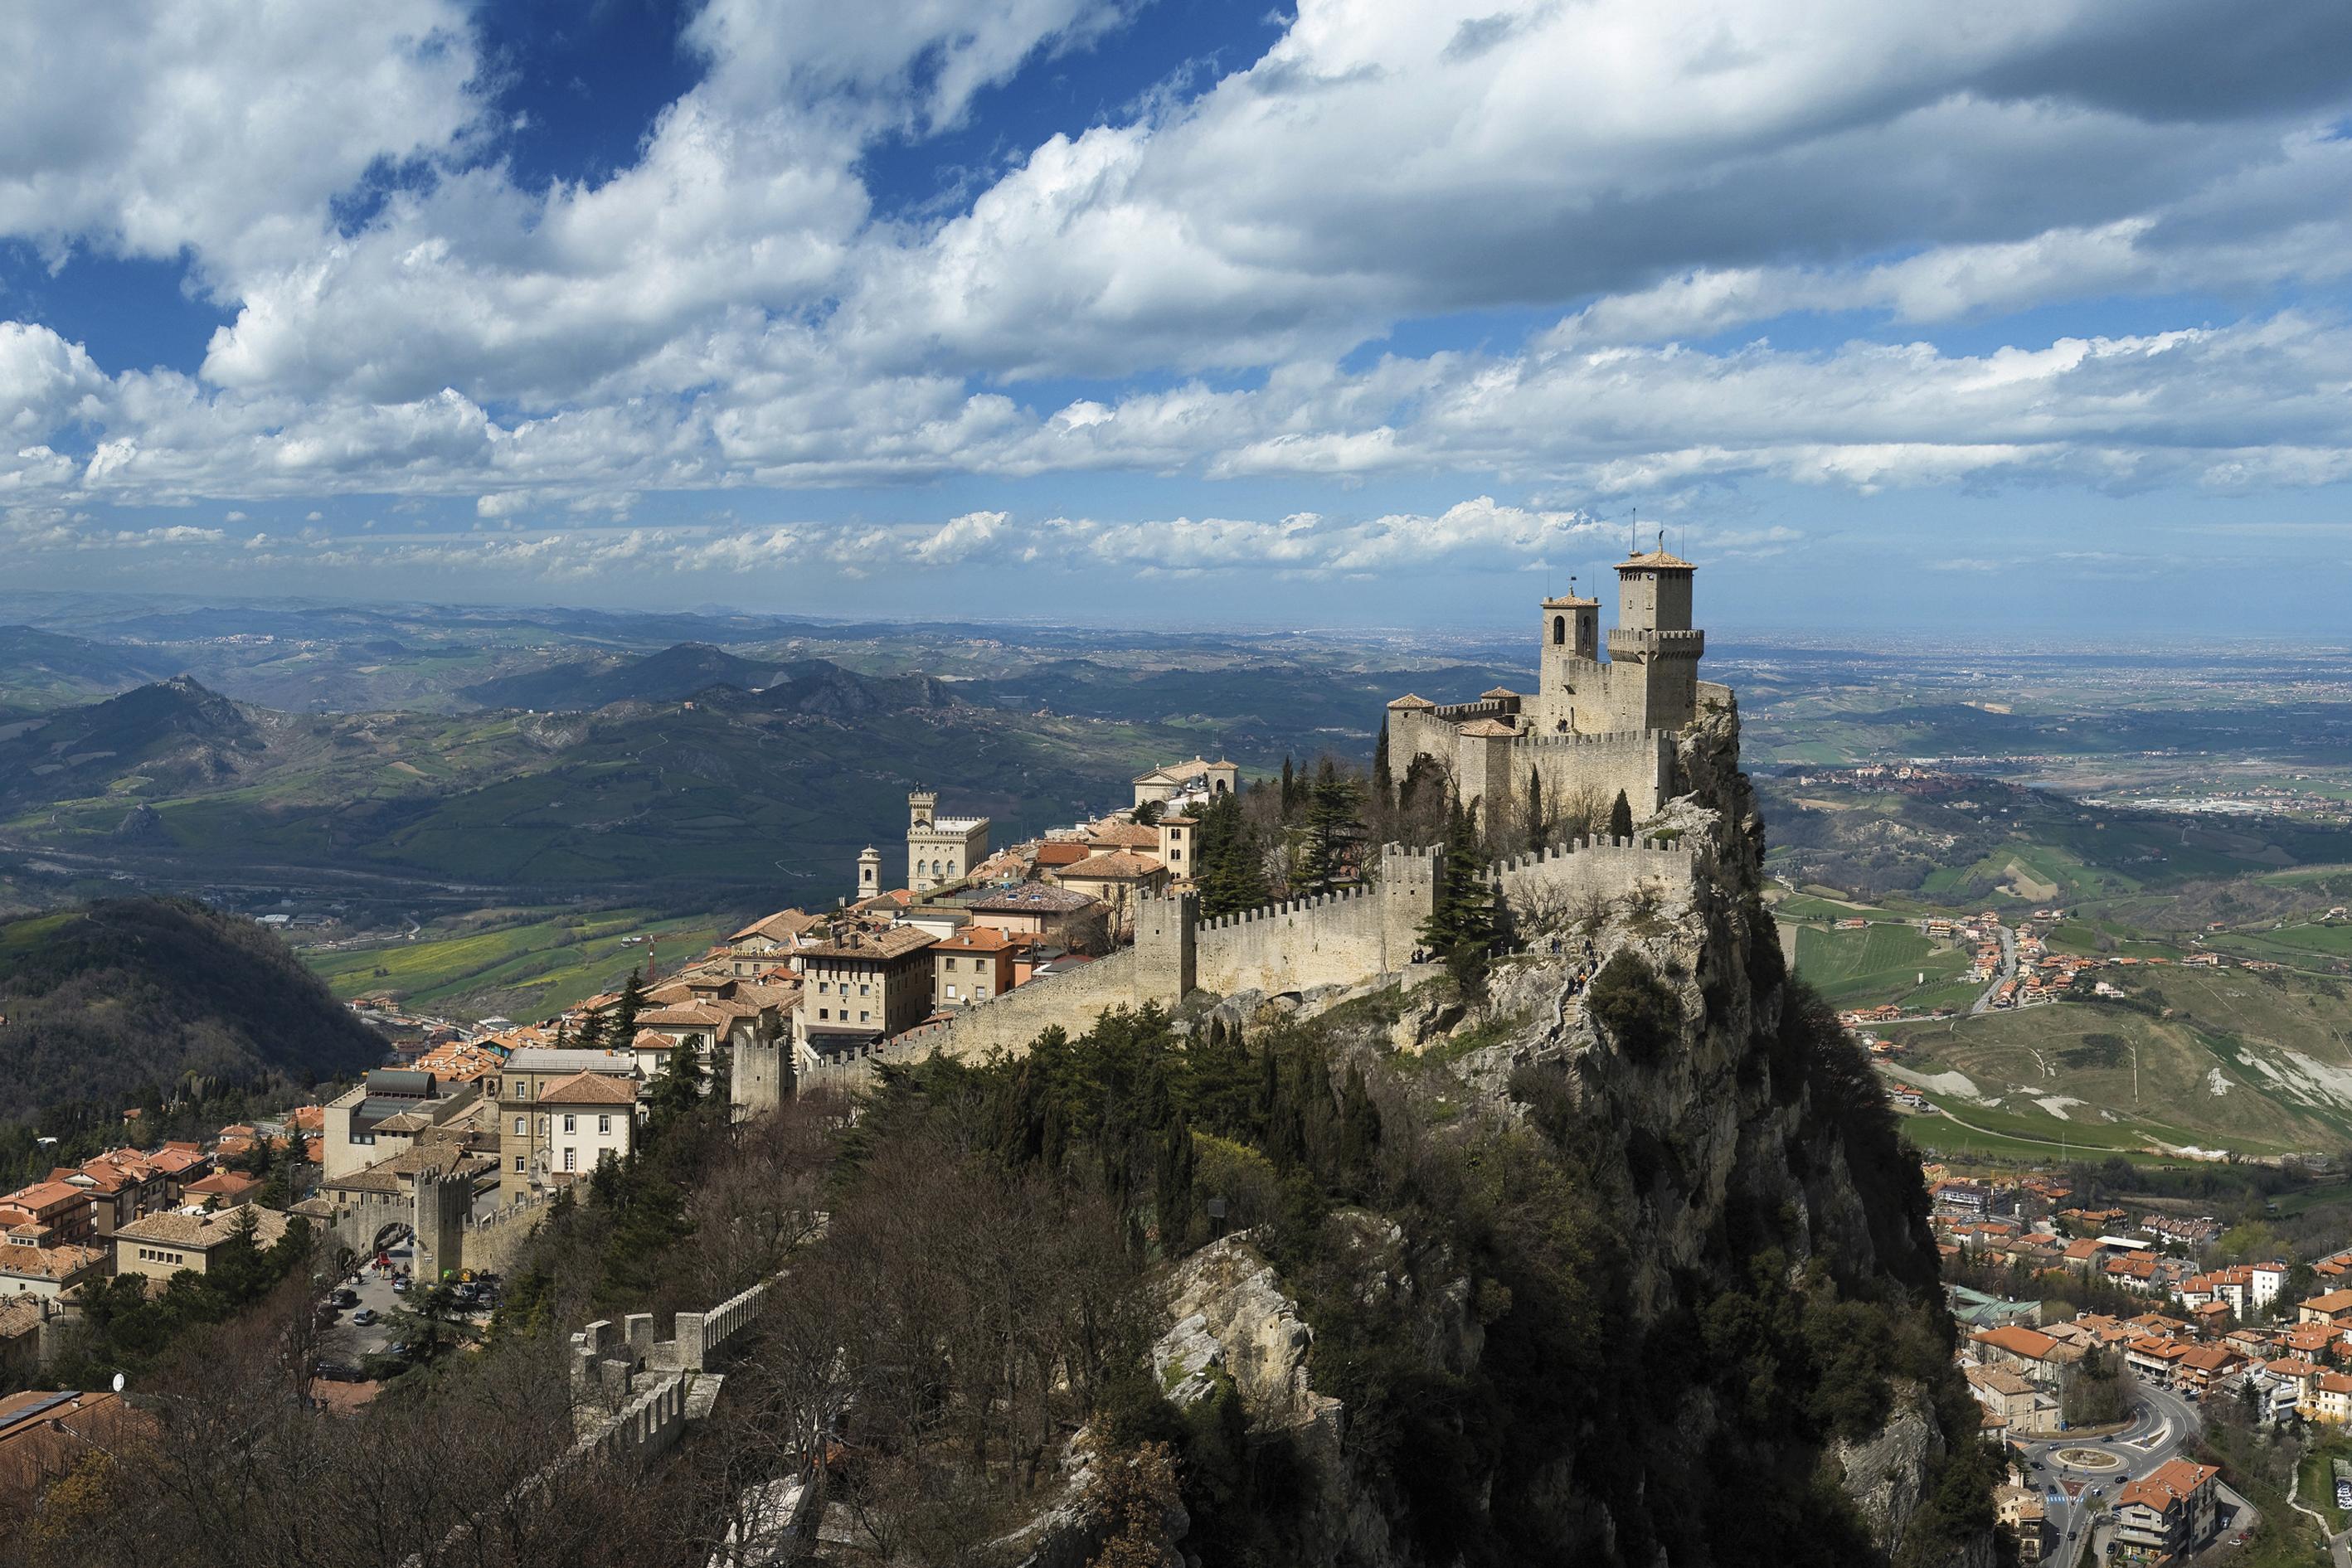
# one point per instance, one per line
(941, 850)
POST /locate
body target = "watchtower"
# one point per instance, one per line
(869, 874)
(1654, 651)
(921, 806)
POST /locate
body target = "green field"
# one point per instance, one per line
(526, 968)
(1880, 963)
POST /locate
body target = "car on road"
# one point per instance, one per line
(400, 1286)
(339, 1372)
(365, 1316)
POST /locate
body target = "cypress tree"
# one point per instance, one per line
(1383, 785)
(1360, 1129)
(625, 1010)
(1289, 790)
(1173, 1192)
(1537, 827)
(1620, 817)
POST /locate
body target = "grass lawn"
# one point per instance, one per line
(1880, 962)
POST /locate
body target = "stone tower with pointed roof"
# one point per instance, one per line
(1593, 724)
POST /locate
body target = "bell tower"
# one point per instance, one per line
(1569, 664)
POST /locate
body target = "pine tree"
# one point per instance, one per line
(1461, 929)
(1383, 785)
(1537, 827)
(1231, 871)
(1332, 825)
(1620, 817)
(1289, 790)
(591, 1032)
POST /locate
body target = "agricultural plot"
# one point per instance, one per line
(531, 969)
(1878, 964)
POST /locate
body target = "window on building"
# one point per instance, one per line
(542, 1126)
(572, 1159)
(522, 1089)
(822, 1013)
(605, 1123)
(570, 1124)
(522, 1127)
(518, 1164)
(864, 990)
(951, 991)
(1559, 630)
(979, 993)
(865, 1017)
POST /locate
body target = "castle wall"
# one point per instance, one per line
(1337, 939)
(1558, 879)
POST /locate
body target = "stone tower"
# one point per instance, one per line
(1569, 664)
(1653, 652)
(941, 850)
(869, 874)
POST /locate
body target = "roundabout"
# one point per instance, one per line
(2093, 1460)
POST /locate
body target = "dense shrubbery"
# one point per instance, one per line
(1640, 1010)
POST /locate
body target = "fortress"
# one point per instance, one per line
(1593, 727)
(1640, 720)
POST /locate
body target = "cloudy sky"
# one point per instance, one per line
(2017, 315)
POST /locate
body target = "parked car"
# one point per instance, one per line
(365, 1316)
(400, 1286)
(347, 1297)
(339, 1372)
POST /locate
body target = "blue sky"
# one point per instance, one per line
(2020, 317)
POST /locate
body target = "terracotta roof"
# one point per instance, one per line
(2331, 1303)
(225, 1183)
(976, 939)
(1112, 866)
(2165, 1486)
(60, 1263)
(1031, 898)
(591, 1089)
(689, 1015)
(1070, 852)
(2017, 1341)
(179, 1228)
(1571, 601)
(895, 942)
(1410, 701)
(781, 926)
(1657, 558)
(1124, 835)
(1486, 727)
(1494, 692)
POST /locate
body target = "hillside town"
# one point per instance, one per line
(516, 1113)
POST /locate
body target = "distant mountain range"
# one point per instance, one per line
(780, 784)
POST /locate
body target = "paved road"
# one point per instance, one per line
(2163, 1425)
(2007, 970)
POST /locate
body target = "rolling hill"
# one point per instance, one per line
(40, 670)
(118, 1002)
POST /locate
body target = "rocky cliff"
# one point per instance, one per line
(1658, 1287)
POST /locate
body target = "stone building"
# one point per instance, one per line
(939, 848)
(160, 1245)
(573, 1122)
(862, 987)
(1593, 725)
(1199, 778)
